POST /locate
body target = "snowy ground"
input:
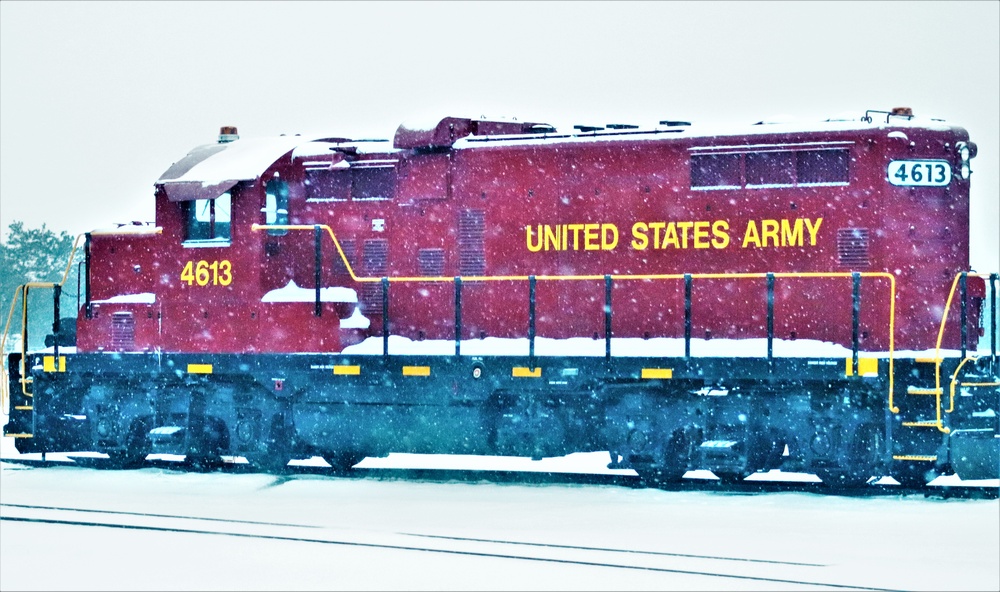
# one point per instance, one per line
(73, 528)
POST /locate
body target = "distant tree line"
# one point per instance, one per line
(37, 255)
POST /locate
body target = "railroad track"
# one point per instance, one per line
(773, 573)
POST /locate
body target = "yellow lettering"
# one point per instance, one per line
(684, 232)
(538, 246)
(670, 237)
(590, 237)
(656, 227)
(791, 236)
(639, 239)
(552, 238)
(720, 228)
(608, 244)
(750, 237)
(575, 229)
(701, 235)
(769, 230)
(813, 230)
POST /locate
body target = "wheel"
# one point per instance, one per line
(343, 461)
(136, 448)
(863, 460)
(274, 452)
(673, 459)
(914, 475)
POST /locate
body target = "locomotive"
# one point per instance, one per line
(736, 299)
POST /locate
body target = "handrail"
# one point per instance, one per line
(22, 291)
(938, 391)
(665, 276)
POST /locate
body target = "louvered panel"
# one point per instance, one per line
(430, 262)
(472, 242)
(853, 245)
(122, 331)
(375, 263)
(350, 247)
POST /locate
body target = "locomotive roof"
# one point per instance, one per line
(209, 170)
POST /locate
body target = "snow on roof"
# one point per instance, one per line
(209, 170)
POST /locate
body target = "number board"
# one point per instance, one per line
(919, 173)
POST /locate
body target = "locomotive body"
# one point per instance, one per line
(735, 300)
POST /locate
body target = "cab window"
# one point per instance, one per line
(276, 206)
(208, 220)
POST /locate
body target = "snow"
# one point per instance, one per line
(240, 160)
(144, 298)
(214, 531)
(293, 293)
(625, 347)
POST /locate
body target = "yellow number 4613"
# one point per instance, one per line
(203, 273)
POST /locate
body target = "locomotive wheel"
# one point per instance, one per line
(343, 461)
(864, 460)
(674, 462)
(136, 448)
(914, 475)
(274, 453)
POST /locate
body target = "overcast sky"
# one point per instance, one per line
(98, 99)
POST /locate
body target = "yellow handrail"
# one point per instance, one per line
(668, 276)
(22, 291)
(938, 391)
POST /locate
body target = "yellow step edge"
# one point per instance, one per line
(24, 408)
(522, 372)
(928, 360)
(347, 370)
(20, 435)
(980, 383)
(199, 368)
(920, 424)
(914, 457)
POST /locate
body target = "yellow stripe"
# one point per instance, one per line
(20, 435)
(199, 368)
(49, 364)
(347, 370)
(657, 372)
(522, 372)
(416, 370)
(915, 457)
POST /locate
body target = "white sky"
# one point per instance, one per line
(98, 99)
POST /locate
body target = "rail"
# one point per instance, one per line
(608, 279)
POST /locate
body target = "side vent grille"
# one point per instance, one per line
(350, 247)
(122, 331)
(375, 263)
(472, 242)
(853, 246)
(430, 262)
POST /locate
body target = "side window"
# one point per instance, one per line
(208, 219)
(373, 183)
(716, 171)
(770, 169)
(276, 206)
(823, 167)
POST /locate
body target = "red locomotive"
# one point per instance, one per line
(684, 297)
